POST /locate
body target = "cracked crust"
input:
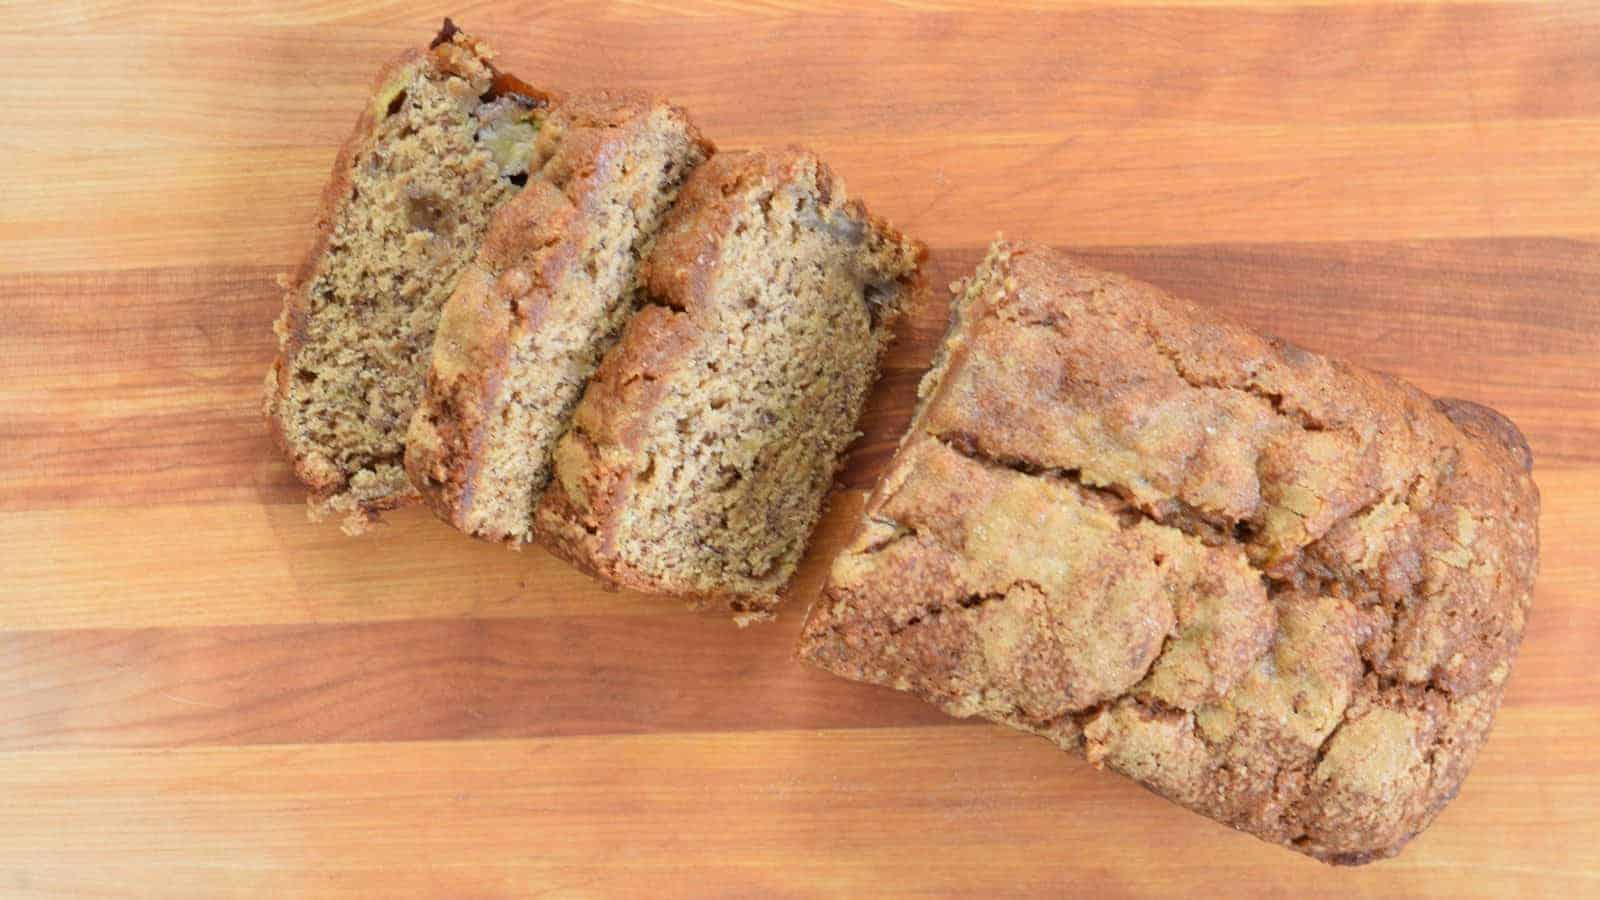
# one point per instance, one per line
(1280, 590)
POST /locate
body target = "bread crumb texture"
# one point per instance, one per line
(527, 326)
(699, 459)
(1278, 589)
(441, 145)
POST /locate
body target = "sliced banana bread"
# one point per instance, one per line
(1280, 590)
(530, 319)
(699, 459)
(442, 144)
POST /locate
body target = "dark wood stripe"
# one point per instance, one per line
(417, 680)
(168, 412)
(507, 678)
(845, 69)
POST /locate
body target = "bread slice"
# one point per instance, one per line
(530, 319)
(698, 461)
(1282, 591)
(443, 142)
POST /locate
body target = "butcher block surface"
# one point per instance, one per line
(202, 694)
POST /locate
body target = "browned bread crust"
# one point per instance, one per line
(451, 52)
(534, 244)
(472, 348)
(600, 468)
(1279, 589)
(580, 513)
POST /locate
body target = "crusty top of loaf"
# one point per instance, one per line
(688, 254)
(526, 252)
(1280, 589)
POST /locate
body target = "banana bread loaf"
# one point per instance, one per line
(530, 319)
(699, 458)
(1280, 590)
(444, 141)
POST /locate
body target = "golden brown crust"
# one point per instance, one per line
(582, 512)
(530, 247)
(579, 517)
(683, 267)
(472, 349)
(1278, 589)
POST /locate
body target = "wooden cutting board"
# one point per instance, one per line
(202, 694)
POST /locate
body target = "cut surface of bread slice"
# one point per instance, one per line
(1278, 589)
(699, 459)
(532, 316)
(445, 140)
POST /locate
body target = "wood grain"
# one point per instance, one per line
(751, 814)
(202, 694)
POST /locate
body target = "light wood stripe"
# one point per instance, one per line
(1094, 186)
(135, 654)
(260, 564)
(1065, 65)
(93, 568)
(744, 814)
(398, 15)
